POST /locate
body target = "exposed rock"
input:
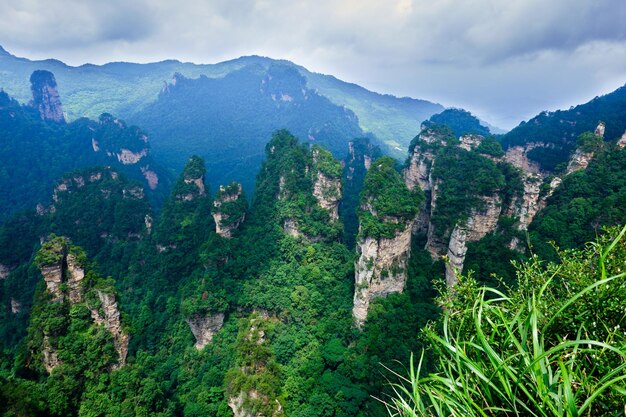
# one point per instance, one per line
(621, 143)
(76, 273)
(237, 405)
(327, 191)
(46, 97)
(526, 210)
(224, 223)
(480, 222)
(128, 157)
(600, 129)
(53, 276)
(435, 243)
(109, 315)
(580, 159)
(134, 192)
(49, 355)
(381, 269)
(367, 161)
(290, 227)
(4, 271)
(518, 157)
(205, 327)
(94, 145)
(470, 142)
(151, 177)
(16, 306)
(148, 221)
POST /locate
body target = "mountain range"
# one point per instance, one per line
(136, 278)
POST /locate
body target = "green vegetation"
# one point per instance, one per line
(583, 203)
(552, 347)
(589, 142)
(253, 102)
(34, 154)
(490, 146)
(560, 129)
(387, 205)
(460, 121)
(464, 177)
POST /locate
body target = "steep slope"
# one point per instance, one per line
(553, 134)
(460, 121)
(38, 147)
(227, 120)
(122, 88)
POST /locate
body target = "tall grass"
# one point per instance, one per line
(499, 356)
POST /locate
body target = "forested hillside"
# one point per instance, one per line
(227, 120)
(38, 147)
(308, 296)
(124, 88)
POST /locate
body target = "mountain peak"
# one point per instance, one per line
(46, 96)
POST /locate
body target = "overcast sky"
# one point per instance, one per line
(504, 60)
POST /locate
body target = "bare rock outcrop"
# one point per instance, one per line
(4, 271)
(50, 357)
(16, 306)
(579, 160)
(327, 192)
(229, 211)
(380, 269)
(75, 273)
(108, 315)
(204, 327)
(46, 96)
(470, 142)
(53, 276)
(621, 143)
(480, 222)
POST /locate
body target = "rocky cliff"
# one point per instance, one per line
(380, 270)
(481, 221)
(192, 184)
(327, 182)
(62, 266)
(229, 209)
(384, 242)
(46, 96)
(108, 315)
(204, 327)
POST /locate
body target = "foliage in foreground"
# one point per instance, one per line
(553, 347)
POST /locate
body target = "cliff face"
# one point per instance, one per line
(381, 269)
(108, 315)
(229, 209)
(481, 222)
(62, 268)
(418, 175)
(384, 243)
(326, 187)
(46, 97)
(204, 327)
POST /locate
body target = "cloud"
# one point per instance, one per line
(507, 60)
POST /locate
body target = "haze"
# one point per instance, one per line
(504, 61)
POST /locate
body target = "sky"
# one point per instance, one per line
(504, 60)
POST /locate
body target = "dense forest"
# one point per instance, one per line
(322, 287)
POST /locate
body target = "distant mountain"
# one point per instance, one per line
(37, 147)
(460, 121)
(553, 134)
(228, 120)
(125, 88)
